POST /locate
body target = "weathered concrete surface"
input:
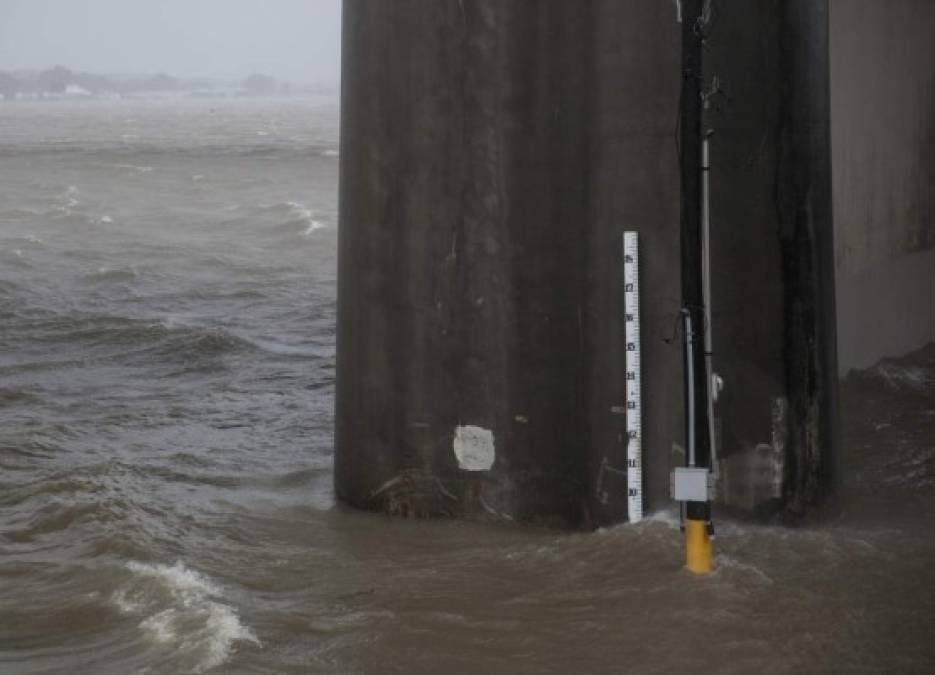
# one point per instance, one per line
(883, 134)
(745, 249)
(772, 250)
(492, 155)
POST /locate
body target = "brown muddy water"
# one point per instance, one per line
(167, 301)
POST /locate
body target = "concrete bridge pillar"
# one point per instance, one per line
(493, 153)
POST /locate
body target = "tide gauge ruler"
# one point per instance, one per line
(631, 308)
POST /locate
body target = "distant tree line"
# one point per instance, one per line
(57, 80)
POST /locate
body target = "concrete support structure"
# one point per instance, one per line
(883, 139)
(772, 243)
(492, 155)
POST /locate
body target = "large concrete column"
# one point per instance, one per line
(492, 155)
(772, 252)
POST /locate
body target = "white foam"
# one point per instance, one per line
(177, 577)
(106, 219)
(897, 376)
(668, 517)
(70, 196)
(134, 167)
(113, 274)
(185, 611)
(299, 210)
(286, 350)
(330, 153)
(224, 627)
(727, 562)
(313, 226)
(123, 601)
(159, 626)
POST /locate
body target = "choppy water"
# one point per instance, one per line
(167, 299)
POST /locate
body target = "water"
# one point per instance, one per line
(167, 308)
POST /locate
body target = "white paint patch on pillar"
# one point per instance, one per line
(474, 448)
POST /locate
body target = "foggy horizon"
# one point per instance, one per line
(288, 39)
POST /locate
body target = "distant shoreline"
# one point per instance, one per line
(61, 83)
(156, 97)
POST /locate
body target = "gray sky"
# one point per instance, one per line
(298, 40)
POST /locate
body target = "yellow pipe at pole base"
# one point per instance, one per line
(698, 557)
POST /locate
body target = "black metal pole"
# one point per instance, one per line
(690, 138)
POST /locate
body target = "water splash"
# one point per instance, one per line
(182, 608)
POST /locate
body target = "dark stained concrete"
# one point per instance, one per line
(772, 251)
(747, 287)
(492, 155)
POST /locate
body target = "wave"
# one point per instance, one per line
(289, 209)
(28, 240)
(105, 274)
(299, 211)
(295, 217)
(746, 572)
(134, 167)
(904, 377)
(58, 516)
(138, 153)
(18, 212)
(290, 350)
(181, 608)
(63, 214)
(69, 197)
(10, 397)
(914, 373)
(313, 226)
(131, 339)
(11, 287)
(191, 344)
(299, 478)
(14, 257)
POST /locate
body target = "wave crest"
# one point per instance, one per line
(185, 610)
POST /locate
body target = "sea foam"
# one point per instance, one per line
(182, 608)
(299, 212)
